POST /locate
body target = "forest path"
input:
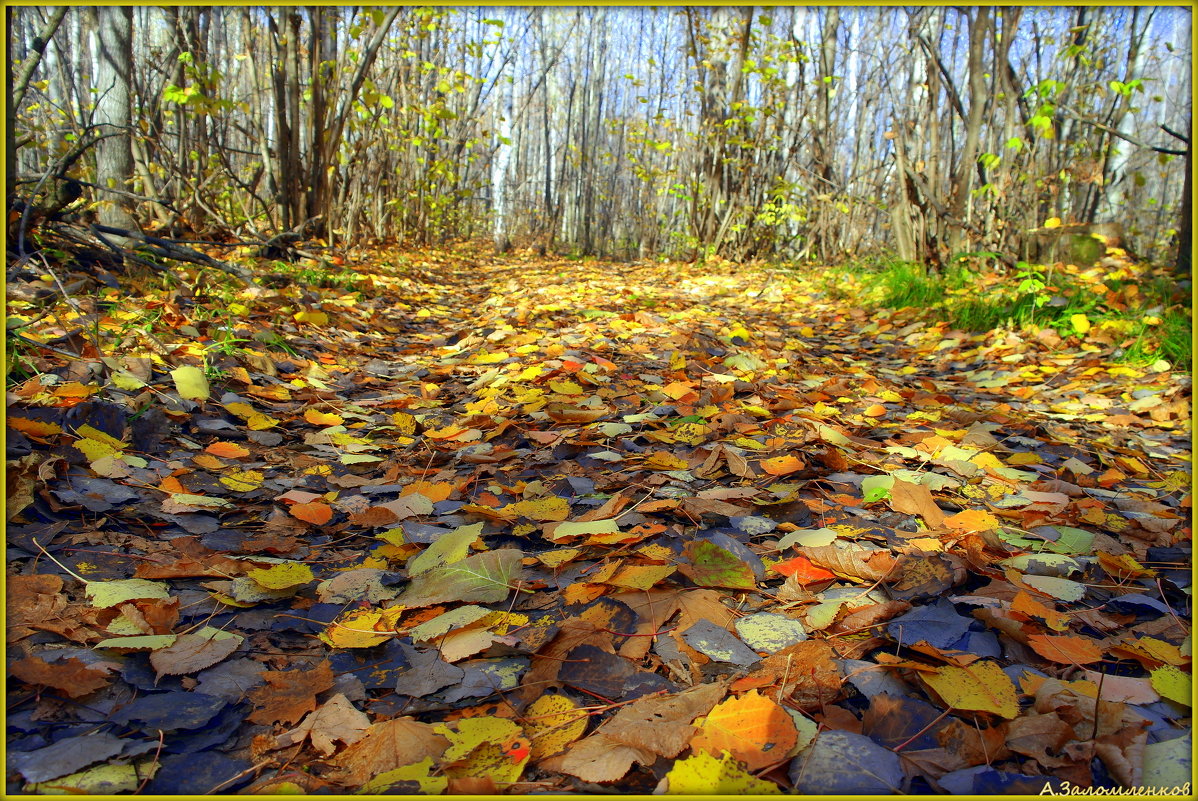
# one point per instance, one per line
(359, 531)
(806, 336)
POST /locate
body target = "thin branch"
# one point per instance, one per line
(1125, 137)
(21, 85)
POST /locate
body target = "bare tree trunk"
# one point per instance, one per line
(499, 168)
(114, 155)
(979, 30)
(1118, 151)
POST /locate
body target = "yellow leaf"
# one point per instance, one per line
(1173, 684)
(99, 436)
(661, 460)
(704, 774)
(191, 383)
(982, 687)
(641, 577)
(485, 746)
(1081, 323)
(358, 629)
(282, 577)
(552, 722)
(313, 317)
(565, 387)
(1052, 222)
(243, 480)
(94, 450)
(542, 509)
(420, 772)
(127, 381)
(555, 559)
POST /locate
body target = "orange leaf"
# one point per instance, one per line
(781, 465)
(1065, 649)
(678, 390)
(33, 428)
(322, 418)
(877, 410)
(804, 572)
(753, 728)
(172, 485)
(972, 520)
(208, 461)
(1025, 604)
(433, 491)
(229, 450)
(316, 513)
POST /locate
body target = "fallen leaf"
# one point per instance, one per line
(753, 728)
(289, 694)
(336, 720)
(980, 687)
(71, 676)
(1065, 649)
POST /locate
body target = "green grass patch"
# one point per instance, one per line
(1141, 314)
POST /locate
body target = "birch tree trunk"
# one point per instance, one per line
(114, 154)
(503, 157)
(1118, 152)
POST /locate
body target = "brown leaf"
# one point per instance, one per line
(806, 670)
(30, 600)
(545, 669)
(374, 517)
(853, 563)
(598, 758)
(973, 744)
(869, 616)
(72, 676)
(916, 499)
(1036, 735)
(337, 720)
(389, 745)
(289, 694)
(191, 653)
(662, 724)
(188, 567)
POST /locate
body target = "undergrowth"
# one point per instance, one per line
(1141, 314)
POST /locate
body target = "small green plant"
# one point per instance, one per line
(273, 340)
(1032, 284)
(226, 342)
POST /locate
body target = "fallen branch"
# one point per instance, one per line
(169, 249)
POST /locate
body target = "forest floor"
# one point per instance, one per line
(516, 525)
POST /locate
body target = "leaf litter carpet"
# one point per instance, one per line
(524, 526)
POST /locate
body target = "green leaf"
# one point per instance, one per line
(875, 488)
(105, 594)
(443, 624)
(140, 642)
(584, 529)
(447, 549)
(1072, 540)
(712, 566)
(481, 578)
